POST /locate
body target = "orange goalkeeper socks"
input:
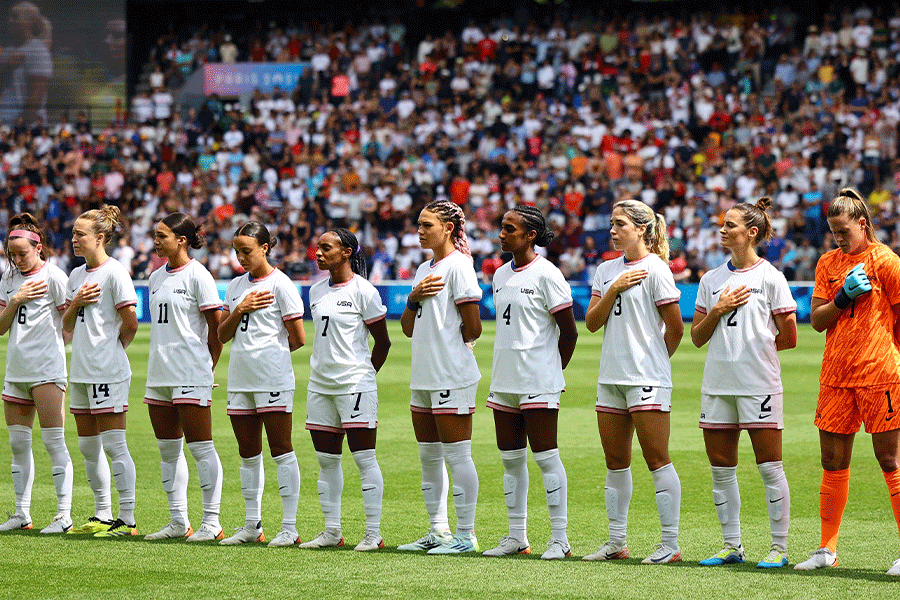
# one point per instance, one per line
(832, 501)
(893, 482)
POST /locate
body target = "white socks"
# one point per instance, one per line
(123, 471)
(289, 489)
(727, 500)
(253, 478)
(435, 484)
(617, 493)
(515, 491)
(465, 484)
(174, 472)
(97, 470)
(22, 467)
(556, 486)
(61, 466)
(331, 486)
(668, 503)
(372, 484)
(778, 501)
(209, 472)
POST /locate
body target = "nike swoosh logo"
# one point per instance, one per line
(644, 399)
(356, 415)
(766, 416)
(721, 503)
(10, 291)
(442, 402)
(607, 281)
(718, 291)
(659, 560)
(498, 290)
(100, 401)
(533, 396)
(556, 490)
(368, 488)
(152, 291)
(274, 400)
(834, 279)
(889, 418)
(778, 500)
(894, 494)
(235, 299)
(187, 390)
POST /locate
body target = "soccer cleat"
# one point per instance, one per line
(119, 528)
(432, 539)
(818, 559)
(285, 539)
(16, 521)
(610, 550)
(728, 555)
(557, 549)
(59, 524)
(326, 539)
(894, 571)
(171, 530)
(207, 533)
(508, 546)
(370, 541)
(245, 535)
(457, 545)
(776, 558)
(662, 555)
(93, 525)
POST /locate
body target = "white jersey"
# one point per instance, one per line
(440, 358)
(526, 346)
(341, 362)
(634, 349)
(741, 359)
(35, 350)
(179, 351)
(97, 354)
(260, 354)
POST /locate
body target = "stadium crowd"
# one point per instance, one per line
(690, 116)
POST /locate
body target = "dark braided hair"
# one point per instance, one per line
(357, 258)
(257, 231)
(533, 220)
(450, 212)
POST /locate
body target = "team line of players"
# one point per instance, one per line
(744, 311)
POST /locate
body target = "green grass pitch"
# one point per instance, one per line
(36, 566)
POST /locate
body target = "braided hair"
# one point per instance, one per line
(357, 257)
(533, 220)
(450, 212)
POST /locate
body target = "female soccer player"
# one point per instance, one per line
(342, 395)
(535, 339)
(102, 321)
(746, 312)
(263, 321)
(635, 298)
(184, 349)
(33, 298)
(856, 301)
(441, 317)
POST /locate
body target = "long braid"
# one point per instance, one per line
(357, 257)
(450, 212)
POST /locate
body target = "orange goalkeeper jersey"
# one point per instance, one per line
(860, 349)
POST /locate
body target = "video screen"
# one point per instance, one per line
(61, 57)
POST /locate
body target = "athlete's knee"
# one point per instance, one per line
(887, 460)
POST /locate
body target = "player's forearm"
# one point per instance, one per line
(702, 331)
(228, 326)
(596, 316)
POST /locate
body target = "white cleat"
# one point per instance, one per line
(207, 533)
(16, 521)
(556, 550)
(284, 539)
(894, 571)
(457, 545)
(610, 550)
(662, 555)
(370, 541)
(507, 546)
(432, 539)
(59, 524)
(245, 535)
(326, 539)
(171, 530)
(818, 559)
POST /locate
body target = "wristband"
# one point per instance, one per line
(842, 300)
(413, 306)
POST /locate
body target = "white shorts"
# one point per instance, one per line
(444, 402)
(200, 395)
(252, 403)
(742, 412)
(99, 398)
(19, 392)
(338, 412)
(624, 399)
(516, 403)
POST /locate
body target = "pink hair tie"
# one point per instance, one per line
(24, 233)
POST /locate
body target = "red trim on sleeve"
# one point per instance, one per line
(665, 301)
(126, 303)
(596, 293)
(700, 309)
(467, 300)
(375, 320)
(561, 307)
(783, 311)
(292, 317)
